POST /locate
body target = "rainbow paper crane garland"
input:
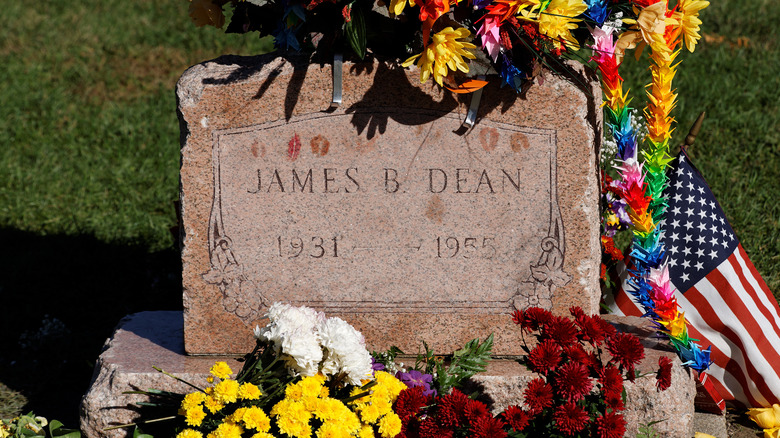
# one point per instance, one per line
(641, 186)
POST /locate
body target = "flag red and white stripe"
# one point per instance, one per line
(726, 302)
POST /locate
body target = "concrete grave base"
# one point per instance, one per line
(149, 339)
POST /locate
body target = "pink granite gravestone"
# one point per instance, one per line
(385, 211)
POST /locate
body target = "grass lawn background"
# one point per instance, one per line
(89, 160)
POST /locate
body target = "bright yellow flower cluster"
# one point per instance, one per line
(377, 407)
(767, 419)
(445, 52)
(310, 398)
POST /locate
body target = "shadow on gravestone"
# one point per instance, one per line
(62, 297)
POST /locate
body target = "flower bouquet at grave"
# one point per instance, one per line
(307, 376)
(581, 362)
(515, 38)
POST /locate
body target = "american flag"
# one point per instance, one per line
(726, 302)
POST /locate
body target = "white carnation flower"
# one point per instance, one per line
(345, 351)
(293, 333)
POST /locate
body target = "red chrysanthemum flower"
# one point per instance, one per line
(474, 410)
(534, 318)
(608, 329)
(627, 350)
(610, 425)
(560, 330)
(487, 426)
(611, 379)
(590, 330)
(410, 401)
(429, 428)
(452, 408)
(544, 357)
(664, 376)
(573, 382)
(576, 353)
(517, 317)
(538, 396)
(516, 417)
(570, 418)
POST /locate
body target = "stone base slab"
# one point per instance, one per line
(147, 339)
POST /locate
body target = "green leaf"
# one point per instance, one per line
(469, 360)
(137, 433)
(355, 30)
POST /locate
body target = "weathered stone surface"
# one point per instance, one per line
(141, 341)
(382, 212)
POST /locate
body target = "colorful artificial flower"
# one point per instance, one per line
(689, 21)
(557, 21)
(445, 53)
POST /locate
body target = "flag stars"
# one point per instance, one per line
(701, 240)
(689, 212)
(673, 250)
(713, 254)
(714, 242)
(691, 187)
(675, 223)
(676, 210)
(712, 205)
(687, 251)
(702, 226)
(691, 199)
(700, 252)
(700, 189)
(685, 277)
(677, 197)
(687, 238)
(686, 264)
(702, 202)
(672, 262)
(674, 237)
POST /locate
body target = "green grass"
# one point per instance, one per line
(89, 159)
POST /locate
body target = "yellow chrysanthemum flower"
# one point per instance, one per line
(238, 415)
(558, 20)
(366, 431)
(248, 391)
(391, 383)
(390, 425)
(255, 418)
(263, 435)
(226, 391)
(189, 433)
(328, 409)
(446, 51)
(194, 416)
(383, 405)
(212, 404)
(292, 418)
(332, 429)
(205, 12)
(689, 21)
(192, 399)
(221, 370)
(228, 430)
(369, 413)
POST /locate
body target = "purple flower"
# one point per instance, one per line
(377, 366)
(415, 378)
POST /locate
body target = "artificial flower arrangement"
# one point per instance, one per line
(767, 419)
(516, 37)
